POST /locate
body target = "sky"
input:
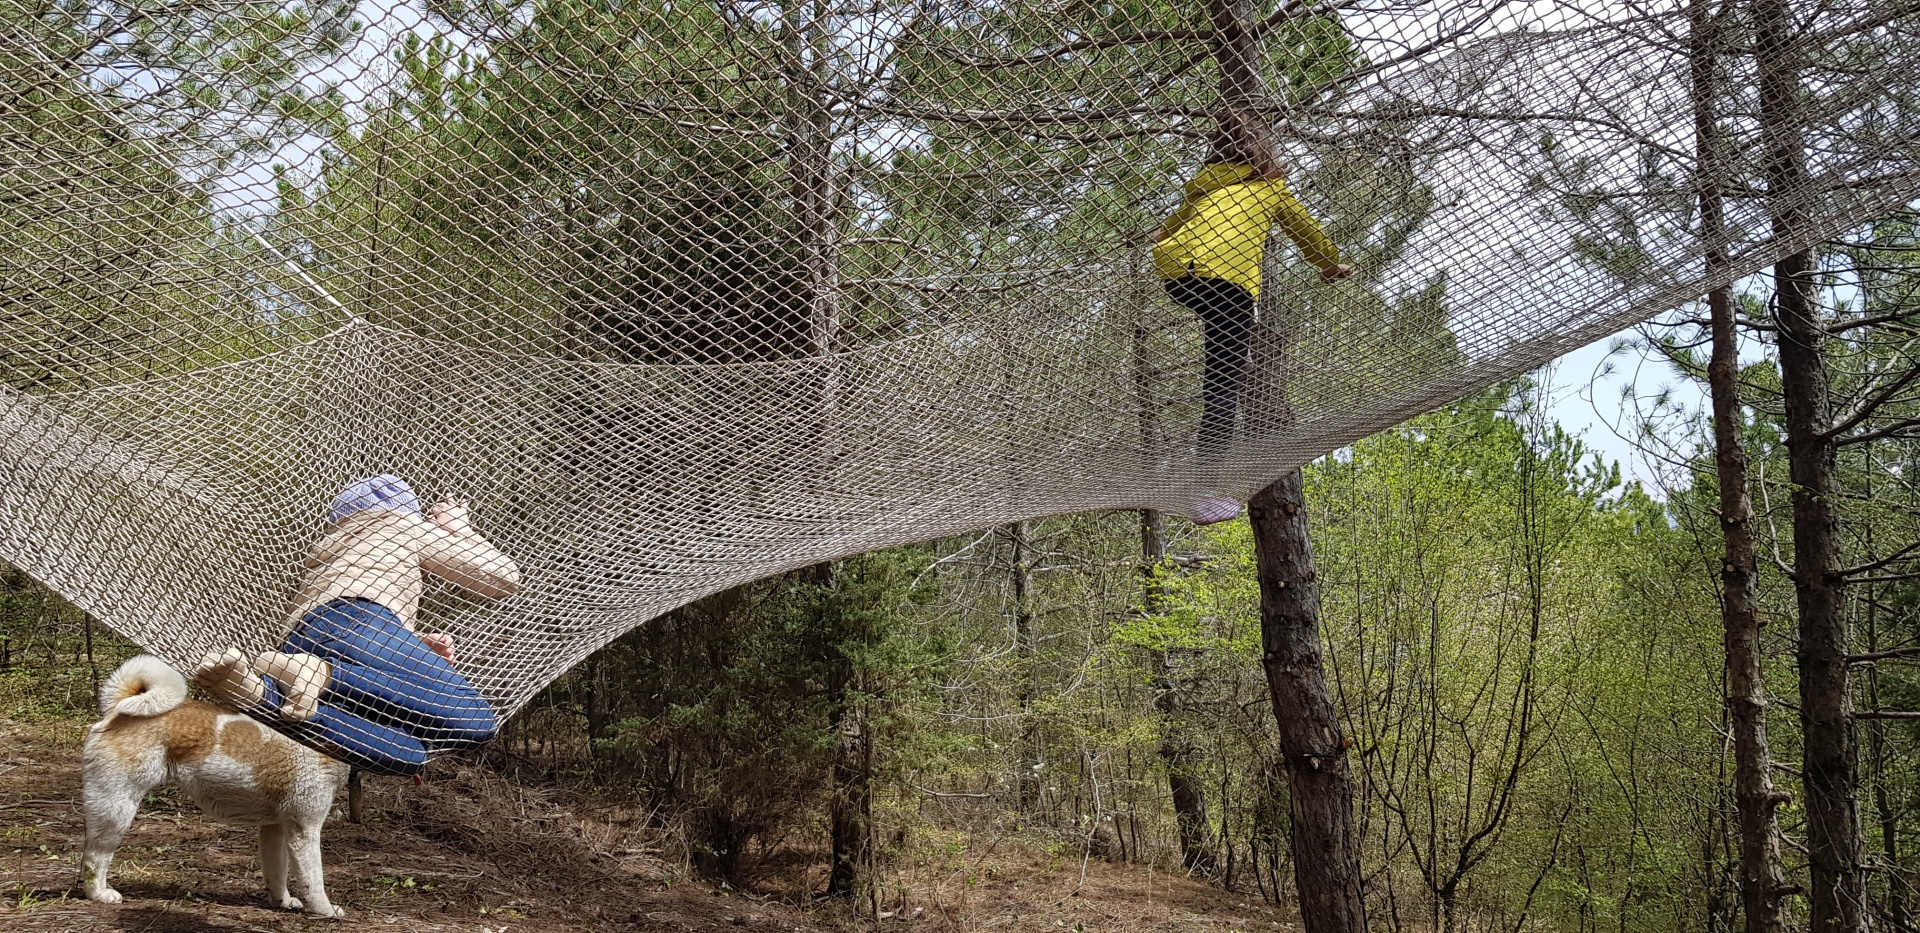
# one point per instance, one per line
(1600, 393)
(1605, 391)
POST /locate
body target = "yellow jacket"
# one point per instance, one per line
(1220, 230)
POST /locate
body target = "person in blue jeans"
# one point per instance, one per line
(353, 678)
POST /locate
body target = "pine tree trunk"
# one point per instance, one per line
(1326, 864)
(1893, 911)
(1183, 780)
(811, 184)
(1176, 751)
(1829, 760)
(852, 808)
(1237, 52)
(1762, 881)
(813, 191)
(1027, 779)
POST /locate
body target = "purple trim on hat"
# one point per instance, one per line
(385, 491)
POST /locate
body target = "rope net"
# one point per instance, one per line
(679, 295)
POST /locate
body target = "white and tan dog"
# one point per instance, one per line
(235, 769)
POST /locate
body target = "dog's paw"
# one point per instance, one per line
(332, 912)
(289, 902)
(104, 896)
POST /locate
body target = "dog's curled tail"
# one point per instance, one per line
(143, 686)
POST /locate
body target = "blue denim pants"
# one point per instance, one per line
(391, 701)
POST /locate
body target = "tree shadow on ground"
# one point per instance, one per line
(159, 918)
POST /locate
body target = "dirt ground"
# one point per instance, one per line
(471, 851)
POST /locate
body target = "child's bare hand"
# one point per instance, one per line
(450, 514)
(441, 643)
(1336, 273)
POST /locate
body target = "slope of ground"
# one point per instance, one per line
(472, 851)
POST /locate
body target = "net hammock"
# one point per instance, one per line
(679, 296)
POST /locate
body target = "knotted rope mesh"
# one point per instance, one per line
(682, 295)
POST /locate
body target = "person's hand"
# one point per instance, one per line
(450, 514)
(1336, 273)
(441, 643)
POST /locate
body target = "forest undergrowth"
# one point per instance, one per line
(473, 849)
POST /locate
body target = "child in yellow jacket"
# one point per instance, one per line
(1208, 256)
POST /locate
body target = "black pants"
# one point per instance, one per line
(1226, 321)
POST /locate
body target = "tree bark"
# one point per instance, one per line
(1177, 753)
(1762, 881)
(1237, 52)
(1326, 864)
(596, 706)
(1830, 758)
(811, 182)
(813, 193)
(813, 190)
(1326, 861)
(1189, 806)
(356, 796)
(852, 811)
(850, 807)
(1893, 911)
(1027, 780)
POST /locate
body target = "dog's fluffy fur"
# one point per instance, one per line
(235, 769)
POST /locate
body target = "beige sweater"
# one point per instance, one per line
(380, 555)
